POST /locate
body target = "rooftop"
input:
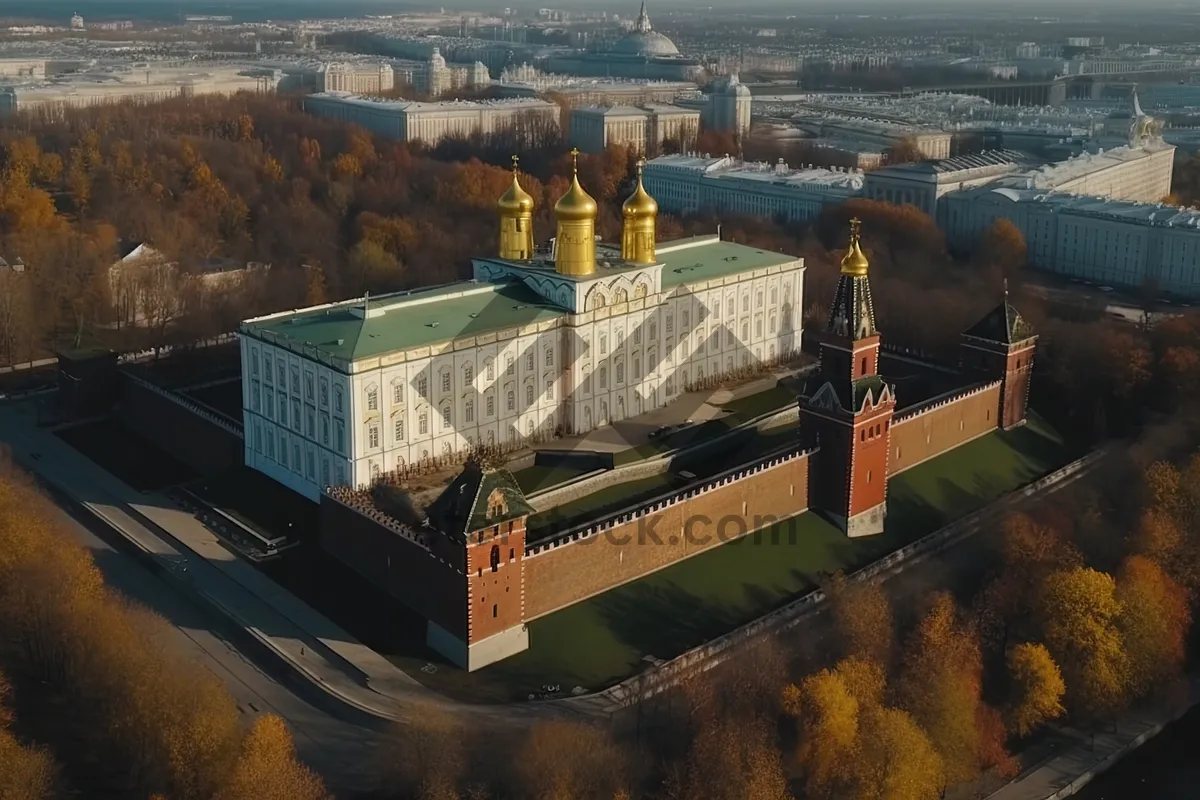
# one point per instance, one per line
(369, 327)
(1058, 173)
(412, 105)
(1157, 214)
(684, 262)
(728, 168)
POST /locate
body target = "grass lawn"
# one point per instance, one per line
(137, 461)
(759, 403)
(597, 642)
(598, 503)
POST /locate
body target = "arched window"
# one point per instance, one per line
(372, 398)
(620, 296)
(549, 356)
(603, 344)
(771, 327)
(397, 392)
(604, 378)
(491, 406)
(511, 403)
(468, 375)
(398, 429)
(508, 365)
(445, 381)
(758, 328)
(489, 367)
(528, 394)
(423, 423)
(469, 411)
(774, 296)
(653, 331)
(641, 290)
(422, 386)
(637, 368)
(620, 372)
(494, 559)
(446, 416)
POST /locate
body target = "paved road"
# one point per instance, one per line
(341, 750)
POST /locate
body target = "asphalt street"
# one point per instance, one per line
(342, 750)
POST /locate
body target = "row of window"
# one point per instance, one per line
(302, 460)
(272, 367)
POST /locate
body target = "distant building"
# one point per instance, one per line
(76, 22)
(643, 129)
(355, 78)
(686, 184)
(643, 53)
(924, 183)
(431, 122)
(729, 107)
(933, 144)
(1119, 243)
(147, 288)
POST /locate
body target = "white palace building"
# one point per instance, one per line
(544, 341)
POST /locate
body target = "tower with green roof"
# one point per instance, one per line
(484, 511)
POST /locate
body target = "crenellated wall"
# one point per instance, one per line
(638, 541)
(942, 424)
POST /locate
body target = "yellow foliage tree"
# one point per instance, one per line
(267, 768)
(941, 685)
(896, 760)
(1037, 688)
(865, 680)
(566, 760)
(26, 773)
(1078, 611)
(1154, 620)
(827, 717)
(734, 759)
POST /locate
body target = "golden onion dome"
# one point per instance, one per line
(516, 200)
(640, 203)
(576, 204)
(855, 261)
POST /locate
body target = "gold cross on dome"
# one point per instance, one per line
(641, 165)
(855, 225)
(575, 159)
(516, 160)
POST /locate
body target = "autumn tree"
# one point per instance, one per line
(827, 720)
(941, 685)
(1037, 689)
(560, 760)
(267, 769)
(1078, 612)
(905, 151)
(1153, 621)
(896, 760)
(862, 618)
(26, 773)
(734, 758)
(1003, 246)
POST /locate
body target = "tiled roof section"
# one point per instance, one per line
(1002, 324)
(853, 311)
(850, 393)
(477, 499)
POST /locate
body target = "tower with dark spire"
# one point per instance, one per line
(847, 406)
(1001, 346)
(643, 20)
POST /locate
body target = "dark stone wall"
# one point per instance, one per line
(181, 427)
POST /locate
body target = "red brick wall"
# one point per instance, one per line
(943, 427)
(868, 481)
(495, 597)
(559, 576)
(1018, 373)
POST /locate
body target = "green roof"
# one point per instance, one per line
(714, 260)
(408, 319)
(477, 499)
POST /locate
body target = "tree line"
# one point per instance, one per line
(1076, 609)
(96, 699)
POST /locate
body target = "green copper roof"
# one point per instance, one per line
(477, 499)
(713, 260)
(407, 320)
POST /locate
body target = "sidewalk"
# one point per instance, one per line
(1066, 772)
(192, 555)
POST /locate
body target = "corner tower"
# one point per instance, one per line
(848, 406)
(515, 208)
(575, 242)
(484, 511)
(639, 221)
(1002, 345)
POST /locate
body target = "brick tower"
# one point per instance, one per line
(1002, 345)
(848, 406)
(485, 511)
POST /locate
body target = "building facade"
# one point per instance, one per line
(686, 184)
(431, 122)
(642, 129)
(569, 339)
(355, 78)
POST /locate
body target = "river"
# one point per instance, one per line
(1165, 768)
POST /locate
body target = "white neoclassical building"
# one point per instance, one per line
(556, 340)
(685, 184)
